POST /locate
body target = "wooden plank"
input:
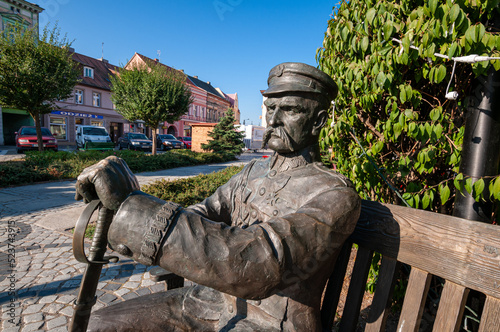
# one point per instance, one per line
(451, 307)
(356, 290)
(490, 318)
(414, 301)
(465, 252)
(383, 293)
(334, 288)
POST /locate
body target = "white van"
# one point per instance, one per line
(93, 138)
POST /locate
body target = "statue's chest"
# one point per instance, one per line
(263, 198)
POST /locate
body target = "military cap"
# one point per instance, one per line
(299, 77)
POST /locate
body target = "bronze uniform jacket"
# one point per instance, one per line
(267, 239)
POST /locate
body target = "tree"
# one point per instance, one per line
(394, 133)
(150, 92)
(225, 137)
(35, 73)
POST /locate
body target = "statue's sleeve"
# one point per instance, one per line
(251, 262)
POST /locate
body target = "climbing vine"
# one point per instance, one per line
(392, 130)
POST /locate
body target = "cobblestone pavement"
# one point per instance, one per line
(39, 278)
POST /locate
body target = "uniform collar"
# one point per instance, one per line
(285, 162)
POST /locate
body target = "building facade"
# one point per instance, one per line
(26, 14)
(209, 103)
(90, 103)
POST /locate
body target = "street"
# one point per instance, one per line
(39, 277)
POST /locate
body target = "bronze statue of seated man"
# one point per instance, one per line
(260, 249)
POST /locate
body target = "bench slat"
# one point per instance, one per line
(334, 288)
(414, 301)
(451, 307)
(356, 290)
(462, 251)
(490, 318)
(382, 298)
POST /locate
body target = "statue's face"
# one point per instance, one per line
(291, 123)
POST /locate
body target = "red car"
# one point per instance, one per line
(26, 139)
(186, 140)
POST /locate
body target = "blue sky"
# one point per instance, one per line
(231, 43)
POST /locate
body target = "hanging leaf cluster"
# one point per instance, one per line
(392, 130)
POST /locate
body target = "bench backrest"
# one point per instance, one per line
(464, 253)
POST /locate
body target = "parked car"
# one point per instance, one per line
(135, 141)
(93, 138)
(167, 142)
(26, 139)
(186, 140)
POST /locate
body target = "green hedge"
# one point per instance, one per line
(192, 190)
(49, 165)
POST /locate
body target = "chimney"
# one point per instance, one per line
(208, 82)
(195, 77)
(156, 60)
(103, 60)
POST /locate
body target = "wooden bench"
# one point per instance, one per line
(465, 254)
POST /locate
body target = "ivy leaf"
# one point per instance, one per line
(370, 15)
(381, 78)
(398, 128)
(402, 94)
(468, 185)
(426, 200)
(478, 189)
(452, 50)
(458, 182)
(388, 28)
(495, 188)
(433, 6)
(343, 34)
(454, 11)
(479, 32)
(365, 43)
(440, 73)
(444, 192)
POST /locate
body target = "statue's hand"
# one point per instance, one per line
(110, 180)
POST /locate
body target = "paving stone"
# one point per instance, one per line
(48, 299)
(66, 299)
(147, 283)
(128, 296)
(33, 318)
(56, 322)
(143, 291)
(112, 286)
(131, 285)
(67, 311)
(34, 308)
(32, 327)
(107, 298)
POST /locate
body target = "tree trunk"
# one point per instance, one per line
(38, 130)
(154, 131)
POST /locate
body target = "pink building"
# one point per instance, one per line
(209, 103)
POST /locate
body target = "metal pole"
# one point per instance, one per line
(481, 145)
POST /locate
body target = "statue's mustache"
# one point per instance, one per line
(276, 131)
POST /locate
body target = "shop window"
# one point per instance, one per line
(79, 96)
(98, 123)
(79, 121)
(58, 127)
(96, 99)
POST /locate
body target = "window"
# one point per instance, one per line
(79, 96)
(96, 99)
(98, 123)
(88, 72)
(58, 127)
